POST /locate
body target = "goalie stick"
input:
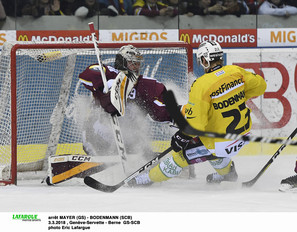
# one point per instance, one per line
(254, 180)
(91, 182)
(184, 126)
(113, 118)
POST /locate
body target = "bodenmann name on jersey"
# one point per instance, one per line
(230, 101)
(224, 87)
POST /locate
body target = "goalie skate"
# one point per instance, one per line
(289, 184)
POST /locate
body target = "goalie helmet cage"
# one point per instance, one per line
(38, 83)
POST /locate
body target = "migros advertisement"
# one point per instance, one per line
(8, 35)
(277, 37)
(122, 36)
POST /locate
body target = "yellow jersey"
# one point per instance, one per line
(217, 101)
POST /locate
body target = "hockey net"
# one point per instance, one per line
(39, 82)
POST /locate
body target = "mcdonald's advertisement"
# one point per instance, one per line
(54, 36)
(228, 38)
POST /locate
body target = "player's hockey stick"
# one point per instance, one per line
(91, 182)
(113, 118)
(184, 126)
(254, 180)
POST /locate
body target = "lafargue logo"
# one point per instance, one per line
(185, 37)
(26, 217)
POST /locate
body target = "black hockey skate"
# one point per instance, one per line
(216, 178)
(289, 184)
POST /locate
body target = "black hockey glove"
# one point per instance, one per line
(179, 141)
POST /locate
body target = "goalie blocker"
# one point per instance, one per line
(65, 167)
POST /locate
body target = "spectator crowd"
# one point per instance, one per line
(149, 8)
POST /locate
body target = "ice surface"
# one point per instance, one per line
(177, 195)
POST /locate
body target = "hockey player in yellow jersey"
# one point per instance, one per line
(217, 103)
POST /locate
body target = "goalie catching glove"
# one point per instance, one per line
(180, 141)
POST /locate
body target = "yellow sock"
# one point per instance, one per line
(168, 168)
(225, 170)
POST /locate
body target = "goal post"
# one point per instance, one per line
(39, 82)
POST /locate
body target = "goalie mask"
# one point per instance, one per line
(129, 58)
(210, 51)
